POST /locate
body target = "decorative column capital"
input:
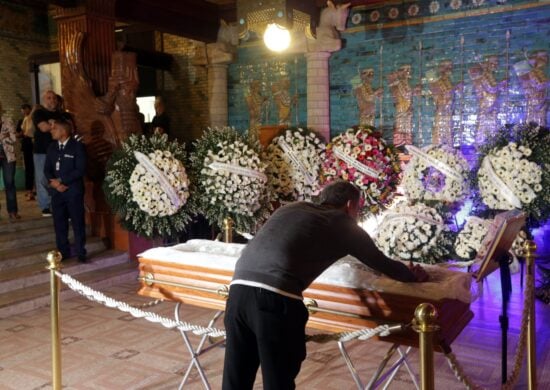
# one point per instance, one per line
(220, 53)
(318, 55)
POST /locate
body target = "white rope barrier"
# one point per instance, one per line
(457, 368)
(96, 296)
(363, 334)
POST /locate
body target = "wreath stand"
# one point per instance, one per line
(506, 288)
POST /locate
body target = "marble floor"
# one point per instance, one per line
(107, 349)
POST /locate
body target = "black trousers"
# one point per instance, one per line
(263, 328)
(65, 206)
(29, 163)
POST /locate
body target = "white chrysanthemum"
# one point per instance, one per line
(294, 162)
(470, 238)
(411, 232)
(237, 192)
(147, 191)
(506, 179)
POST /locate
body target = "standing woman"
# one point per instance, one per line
(7, 163)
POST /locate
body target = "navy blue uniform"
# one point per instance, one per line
(68, 166)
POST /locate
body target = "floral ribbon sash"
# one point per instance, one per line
(339, 153)
(160, 176)
(298, 163)
(402, 216)
(437, 164)
(238, 170)
(503, 189)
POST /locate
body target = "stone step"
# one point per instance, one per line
(32, 236)
(33, 274)
(30, 298)
(36, 254)
(25, 224)
(14, 240)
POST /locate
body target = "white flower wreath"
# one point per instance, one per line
(230, 178)
(507, 179)
(146, 184)
(414, 232)
(293, 165)
(235, 177)
(436, 173)
(159, 183)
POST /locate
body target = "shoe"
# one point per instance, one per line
(82, 259)
(46, 213)
(14, 216)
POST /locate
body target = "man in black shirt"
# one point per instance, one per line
(43, 119)
(265, 317)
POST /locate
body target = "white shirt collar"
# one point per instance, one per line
(63, 143)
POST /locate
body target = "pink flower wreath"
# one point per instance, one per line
(361, 156)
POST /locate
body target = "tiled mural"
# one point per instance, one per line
(456, 37)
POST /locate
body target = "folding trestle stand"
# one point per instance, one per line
(379, 377)
(196, 353)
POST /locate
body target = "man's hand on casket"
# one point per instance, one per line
(419, 273)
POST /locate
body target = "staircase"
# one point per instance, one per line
(24, 279)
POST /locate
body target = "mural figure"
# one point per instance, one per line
(255, 102)
(366, 98)
(487, 90)
(442, 90)
(283, 100)
(535, 84)
(402, 93)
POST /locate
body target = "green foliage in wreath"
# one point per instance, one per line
(223, 191)
(149, 196)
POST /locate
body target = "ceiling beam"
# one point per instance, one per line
(193, 19)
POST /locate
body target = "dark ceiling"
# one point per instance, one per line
(195, 19)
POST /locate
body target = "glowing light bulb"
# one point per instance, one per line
(276, 37)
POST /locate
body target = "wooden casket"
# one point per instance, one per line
(347, 296)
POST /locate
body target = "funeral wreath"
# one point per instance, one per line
(146, 184)
(230, 179)
(361, 156)
(294, 161)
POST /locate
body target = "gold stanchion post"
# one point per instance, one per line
(54, 264)
(228, 230)
(425, 317)
(530, 249)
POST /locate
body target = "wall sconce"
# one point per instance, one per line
(277, 20)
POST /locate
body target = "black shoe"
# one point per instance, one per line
(46, 213)
(82, 259)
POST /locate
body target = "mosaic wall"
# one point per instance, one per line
(257, 63)
(419, 34)
(23, 31)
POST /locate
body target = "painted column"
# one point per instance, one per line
(318, 94)
(217, 57)
(217, 94)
